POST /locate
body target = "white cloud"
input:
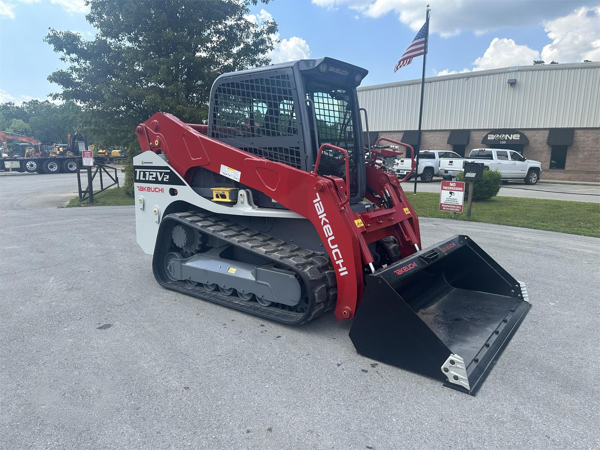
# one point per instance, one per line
(260, 18)
(450, 72)
(287, 49)
(505, 53)
(450, 17)
(6, 10)
(71, 6)
(74, 6)
(290, 50)
(574, 37)
(500, 53)
(5, 97)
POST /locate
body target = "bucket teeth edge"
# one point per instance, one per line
(456, 372)
(524, 291)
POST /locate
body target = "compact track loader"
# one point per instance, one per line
(277, 209)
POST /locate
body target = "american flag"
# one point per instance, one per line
(416, 48)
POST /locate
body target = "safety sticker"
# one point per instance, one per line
(230, 173)
(359, 223)
(232, 270)
(406, 211)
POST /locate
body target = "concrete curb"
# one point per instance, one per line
(582, 183)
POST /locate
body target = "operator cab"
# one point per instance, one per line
(285, 112)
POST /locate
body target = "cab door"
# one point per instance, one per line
(520, 164)
(504, 164)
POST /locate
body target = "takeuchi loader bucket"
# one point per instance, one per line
(446, 312)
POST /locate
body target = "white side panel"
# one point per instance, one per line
(153, 198)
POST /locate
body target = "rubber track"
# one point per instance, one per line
(314, 269)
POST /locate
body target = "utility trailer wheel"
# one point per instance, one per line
(30, 165)
(69, 166)
(51, 166)
(427, 174)
(532, 177)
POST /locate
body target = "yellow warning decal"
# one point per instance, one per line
(231, 270)
(359, 223)
(406, 211)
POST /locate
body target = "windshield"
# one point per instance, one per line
(333, 110)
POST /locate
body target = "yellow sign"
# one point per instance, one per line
(359, 223)
(406, 211)
(231, 270)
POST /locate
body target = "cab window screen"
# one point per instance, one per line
(335, 115)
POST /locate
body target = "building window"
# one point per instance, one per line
(558, 157)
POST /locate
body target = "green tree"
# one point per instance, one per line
(18, 126)
(10, 111)
(52, 123)
(155, 55)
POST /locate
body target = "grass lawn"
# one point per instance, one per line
(551, 215)
(110, 197)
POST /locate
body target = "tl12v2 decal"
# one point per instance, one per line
(156, 175)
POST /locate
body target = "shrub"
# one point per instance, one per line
(485, 188)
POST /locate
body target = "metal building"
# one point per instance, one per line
(550, 113)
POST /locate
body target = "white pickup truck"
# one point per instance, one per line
(511, 164)
(429, 163)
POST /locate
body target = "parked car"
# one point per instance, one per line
(429, 163)
(511, 164)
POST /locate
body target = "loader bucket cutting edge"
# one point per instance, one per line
(446, 312)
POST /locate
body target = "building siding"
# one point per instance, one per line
(564, 96)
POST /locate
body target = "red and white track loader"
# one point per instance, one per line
(263, 210)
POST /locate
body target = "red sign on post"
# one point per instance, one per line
(87, 157)
(452, 196)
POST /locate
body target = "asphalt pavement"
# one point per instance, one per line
(94, 354)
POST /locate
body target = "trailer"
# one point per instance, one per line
(40, 164)
(39, 158)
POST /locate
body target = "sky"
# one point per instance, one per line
(465, 35)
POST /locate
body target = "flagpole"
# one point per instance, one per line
(422, 89)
